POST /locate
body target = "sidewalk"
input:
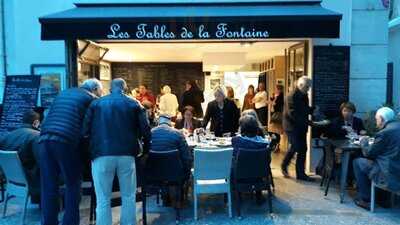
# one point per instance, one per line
(294, 203)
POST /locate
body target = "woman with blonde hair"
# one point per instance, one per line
(223, 114)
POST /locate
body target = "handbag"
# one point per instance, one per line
(276, 117)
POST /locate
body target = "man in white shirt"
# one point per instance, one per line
(168, 103)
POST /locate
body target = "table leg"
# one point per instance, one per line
(343, 175)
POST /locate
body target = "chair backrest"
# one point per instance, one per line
(164, 166)
(12, 168)
(212, 164)
(251, 163)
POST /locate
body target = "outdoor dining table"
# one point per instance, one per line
(347, 148)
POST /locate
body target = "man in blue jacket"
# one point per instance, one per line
(117, 126)
(59, 152)
(382, 162)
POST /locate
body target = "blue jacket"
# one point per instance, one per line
(385, 152)
(248, 143)
(166, 138)
(64, 119)
(116, 125)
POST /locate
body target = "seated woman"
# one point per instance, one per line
(253, 113)
(188, 122)
(345, 123)
(249, 139)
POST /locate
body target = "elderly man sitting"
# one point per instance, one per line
(382, 162)
(166, 138)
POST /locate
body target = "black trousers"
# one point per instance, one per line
(262, 114)
(297, 144)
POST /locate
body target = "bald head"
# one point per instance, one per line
(118, 85)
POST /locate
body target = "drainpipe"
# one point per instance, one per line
(3, 39)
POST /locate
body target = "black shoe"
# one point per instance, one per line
(306, 178)
(285, 172)
(363, 204)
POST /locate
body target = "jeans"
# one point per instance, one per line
(362, 167)
(103, 171)
(298, 144)
(59, 158)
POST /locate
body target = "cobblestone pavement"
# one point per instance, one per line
(294, 203)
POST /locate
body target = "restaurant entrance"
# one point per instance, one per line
(214, 43)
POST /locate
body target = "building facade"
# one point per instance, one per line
(363, 28)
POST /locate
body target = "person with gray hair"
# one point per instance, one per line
(382, 158)
(223, 114)
(116, 124)
(168, 103)
(59, 151)
(295, 124)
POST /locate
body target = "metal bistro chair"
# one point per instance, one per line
(211, 174)
(330, 167)
(275, 140)
(163, 169)
(16, 182)
(251, 173)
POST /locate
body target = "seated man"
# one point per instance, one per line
(24, 140)
(382, 162)
(166, 138)
(249, 139)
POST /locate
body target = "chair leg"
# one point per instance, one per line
(328, 182)
(269, 199)
(238, 203)
(92, 216)
(372, 206)
(271, 180)
(323, 179)
(144, 215)
(7, 197)
(230, 204)
(177, 205)
(26, 199)
(195, 204)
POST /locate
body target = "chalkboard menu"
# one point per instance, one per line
(156, 75)
(20, 95)
(330, 78)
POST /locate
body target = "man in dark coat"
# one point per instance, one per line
(192, 96)
(382, 162)
(25, 141)
(223, 113)
(59, 153)
(295, 123)
(116, 126)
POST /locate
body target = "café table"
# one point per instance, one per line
(347, 148)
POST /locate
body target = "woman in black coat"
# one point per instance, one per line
(187, 122)
(193, 96)
(223, 113)
(346, 122)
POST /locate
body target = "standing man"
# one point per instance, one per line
(295, 124)
(59, 153)
(116, 125)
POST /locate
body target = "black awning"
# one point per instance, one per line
(177, 20)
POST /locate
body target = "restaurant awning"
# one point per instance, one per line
(193, 20)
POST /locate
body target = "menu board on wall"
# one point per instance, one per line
(20, 95)
(330, 78)
(156, 75)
